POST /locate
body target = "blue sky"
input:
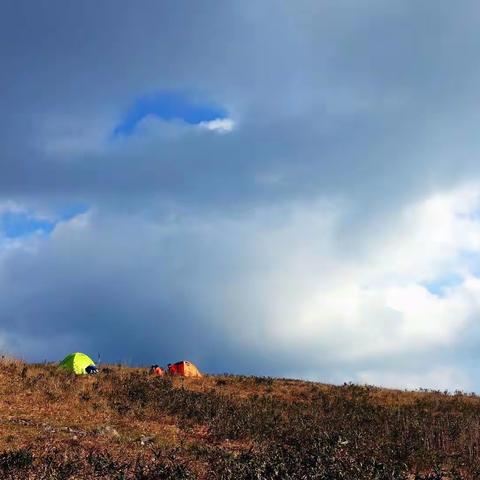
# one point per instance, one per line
(302, 242)
(15, 225)
(18, 224)
(438, 286)
(168, 106)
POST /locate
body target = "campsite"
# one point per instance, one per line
(127, 423)
(239, 240)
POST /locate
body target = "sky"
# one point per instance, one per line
(275, 188)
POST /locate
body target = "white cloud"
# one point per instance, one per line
(32, 240)
(10, 206)
(155, 127)
(220, 125)
(278, 283)
(304, 296)
(443, 378)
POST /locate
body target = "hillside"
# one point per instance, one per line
(124, 424)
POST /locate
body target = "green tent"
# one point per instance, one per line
(76, 362)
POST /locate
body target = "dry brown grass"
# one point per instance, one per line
(227, 427)
(7, 360)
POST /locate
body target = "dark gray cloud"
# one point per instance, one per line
(331, 97)
(339, 107)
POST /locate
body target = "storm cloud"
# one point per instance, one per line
(329, 230)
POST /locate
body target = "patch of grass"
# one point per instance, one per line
(126, 424)
(15, 460)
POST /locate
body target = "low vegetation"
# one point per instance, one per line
(124, 424)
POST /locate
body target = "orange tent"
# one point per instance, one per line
(184, 369)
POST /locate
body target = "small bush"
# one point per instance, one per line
(15, 460)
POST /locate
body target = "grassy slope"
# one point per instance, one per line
(124, 424)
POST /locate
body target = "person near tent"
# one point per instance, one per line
(157, 371)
